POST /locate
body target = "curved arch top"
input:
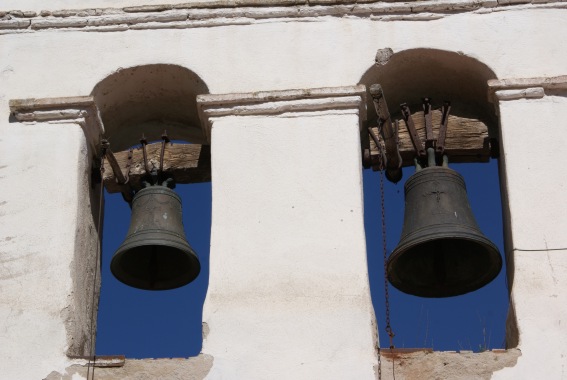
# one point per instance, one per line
(412, 74)
(147, 100)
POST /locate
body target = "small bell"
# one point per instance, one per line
(155, 254)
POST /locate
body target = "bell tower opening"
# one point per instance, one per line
(431, 322)
(417, 319)
(144, 310)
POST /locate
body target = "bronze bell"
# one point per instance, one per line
(155, 254)
(442, 252)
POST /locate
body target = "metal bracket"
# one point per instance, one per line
(429, 139)
(127, 192)
(440, 146)
(165, 181)
(144, 142)
(436, 147)
(416, 141)
(391, 158)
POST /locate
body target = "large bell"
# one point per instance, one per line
(155, 254)
(442, 252)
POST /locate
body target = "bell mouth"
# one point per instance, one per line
(443, 267)
(155, 266)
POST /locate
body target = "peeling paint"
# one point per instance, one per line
(195, 368)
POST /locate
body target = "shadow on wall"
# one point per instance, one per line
(150, 99)
(410, 75)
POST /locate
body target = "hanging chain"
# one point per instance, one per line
(382, 167)
(388, 328)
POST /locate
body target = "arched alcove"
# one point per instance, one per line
(409, 75)
(146, 100)
(150, 99)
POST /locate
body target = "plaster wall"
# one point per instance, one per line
(533, 137)
(275, 53)
(288, 252)
(46, 267)
(535, 188)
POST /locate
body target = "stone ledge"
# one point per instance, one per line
(524, 88)
(339, 99)
(195, 368)
(230, 12)
(428, 364)
(528, 93)
(101, 361)
(81, 110)
(33, 104)
(557, 83)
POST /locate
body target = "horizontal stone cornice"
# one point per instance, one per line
(524, 88)
(81, 110)
(284, 102)
(243, 12)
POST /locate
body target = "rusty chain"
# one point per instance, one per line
(388, 327)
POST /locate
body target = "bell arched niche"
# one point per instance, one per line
(150, 99)
(146, 101)
(407, 77)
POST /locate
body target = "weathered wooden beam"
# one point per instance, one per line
(186, 163)
(466, 140)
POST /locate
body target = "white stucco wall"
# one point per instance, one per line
(535, 187)
(249, 53)
(46, 248)
(276, 55)
(289, 294)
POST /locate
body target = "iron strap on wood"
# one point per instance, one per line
(430, 141)
(416, 141)
(121, 178)
(391, 158)
(440, 147)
